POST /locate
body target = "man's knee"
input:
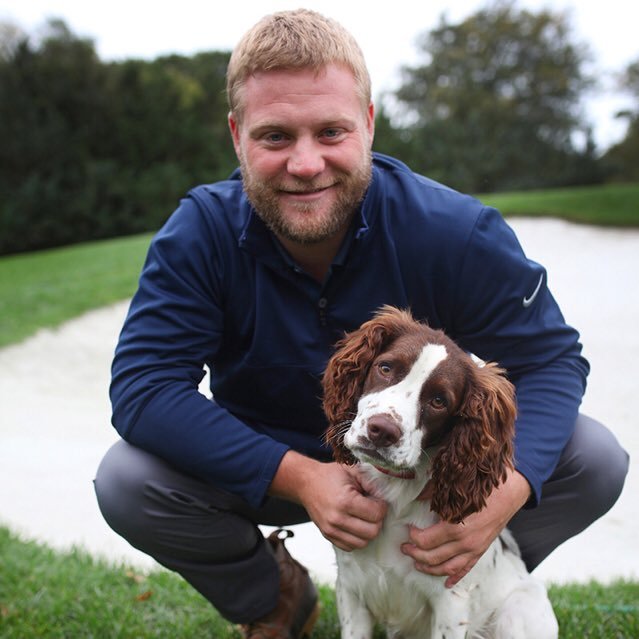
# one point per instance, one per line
(119, 487)
(599, 463)
(586, 483)
(169, 515)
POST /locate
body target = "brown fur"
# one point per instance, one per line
(476, 448)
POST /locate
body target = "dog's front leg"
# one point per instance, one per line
(451, 616)
(355, 619)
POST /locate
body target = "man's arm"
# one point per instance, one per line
(504, 312)
(496, 315)
(334, 498)
(175, 325)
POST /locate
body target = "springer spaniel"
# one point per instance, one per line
(410, 407)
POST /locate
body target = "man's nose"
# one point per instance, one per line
(306, 159)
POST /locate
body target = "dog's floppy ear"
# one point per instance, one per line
(477, 456)
(347, 369)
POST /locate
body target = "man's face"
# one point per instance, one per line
(304, 146)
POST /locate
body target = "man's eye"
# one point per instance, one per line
(332, 134)
(274, 138)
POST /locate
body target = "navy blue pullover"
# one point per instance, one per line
(218, 289)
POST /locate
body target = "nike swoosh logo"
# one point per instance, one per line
(527, 301)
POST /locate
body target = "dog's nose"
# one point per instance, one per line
(382, 431)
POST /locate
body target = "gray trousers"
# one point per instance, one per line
(210, 536)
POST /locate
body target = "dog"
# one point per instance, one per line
(411, 408)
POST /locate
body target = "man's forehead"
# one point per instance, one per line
(330, 79)
(288, 88)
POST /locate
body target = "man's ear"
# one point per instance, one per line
(234, 127)
(370, 121)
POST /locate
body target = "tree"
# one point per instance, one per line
(49, 97)
(495, 105)
(622, 160)
(93, 150)
(390, 139)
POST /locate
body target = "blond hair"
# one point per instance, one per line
(300, 39)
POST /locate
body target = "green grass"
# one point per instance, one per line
(607, 205)
(594, 610)
(49, 594)
(46, 288)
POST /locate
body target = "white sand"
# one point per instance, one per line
(54, 411)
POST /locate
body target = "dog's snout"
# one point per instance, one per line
(383, 431)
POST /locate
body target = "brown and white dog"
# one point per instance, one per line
(407, 404)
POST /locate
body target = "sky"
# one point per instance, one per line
(387, 33)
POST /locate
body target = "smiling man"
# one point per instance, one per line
(303, 139)
(257, 277)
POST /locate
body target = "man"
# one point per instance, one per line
(257, 277)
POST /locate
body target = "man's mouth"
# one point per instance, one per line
(308, 191)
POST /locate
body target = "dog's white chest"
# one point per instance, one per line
(385, 579)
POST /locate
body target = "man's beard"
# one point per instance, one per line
(308, 227)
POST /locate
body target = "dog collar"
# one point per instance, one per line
(404, 474)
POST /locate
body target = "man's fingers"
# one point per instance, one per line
(435, 536)
(362, 526)
(352, 534)
(367, 508)
(453, 580)
(441, 563)
(341, 509)
(438, 559)
(347, 542)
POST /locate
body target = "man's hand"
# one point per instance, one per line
(452, 550)
(334, 498)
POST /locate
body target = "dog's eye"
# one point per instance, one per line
(385, 368)
(438, 402)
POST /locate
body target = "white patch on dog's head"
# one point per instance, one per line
(401, 401)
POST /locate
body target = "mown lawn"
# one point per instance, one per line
(46, 288)
(50, 594)
(607, 205)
